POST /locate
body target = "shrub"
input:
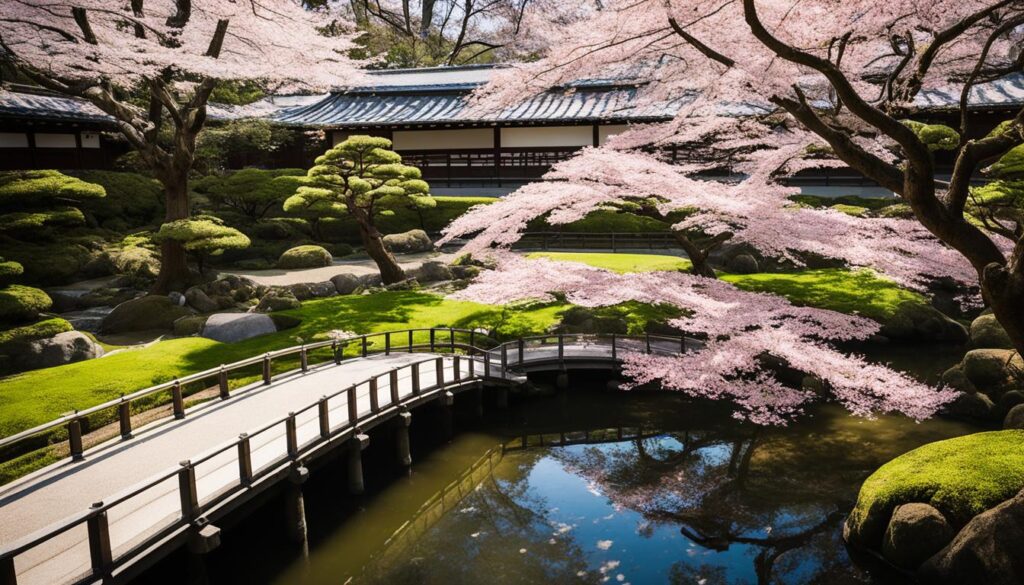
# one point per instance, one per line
(26, 333)
(853, 210)
(9, 269)
(48, 264)
(203, 236)
(30, 200)
(22, 303)
(251, 192)
(133, 200)
(305, 257)
(898, 211)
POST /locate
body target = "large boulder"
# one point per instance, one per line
(189, 325)
(232, 327)
(976, 405)
(1015, 418)
(311, 290)
(742, 264)
(19, 304)
(200, 301)
(149, 312)
(913, 321)
(988, 550)
(584, 320)
(915, 533)
(956, 379)
(63, 348)
(237, 289)
(345, 283)
(986, 332)
(408, 242)
(305, 257)
(277, 300)
(994, 371)
(432, 271)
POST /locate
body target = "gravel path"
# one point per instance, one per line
(357, 266)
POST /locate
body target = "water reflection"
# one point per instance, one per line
(644, 489)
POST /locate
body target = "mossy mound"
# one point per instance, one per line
(305, 257)
(22, 303)
(26, 333)
(961, 477)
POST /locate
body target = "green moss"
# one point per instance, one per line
(47, 264)
(26, 333)
(305, 257)
(823, 201)
(9, 269)
(606, 221)
(961, 477)
(854, 210)
(29, 220)
(22, 303)
(899, 210)
(619, 262)
(934, 136)
(859, 291)
(33, 188)
(1010, 165)
(133, 200)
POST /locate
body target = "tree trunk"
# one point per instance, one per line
(698, 257)
(390, 271)
(174, 272)
(1004, 291)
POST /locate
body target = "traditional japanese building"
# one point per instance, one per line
(428, 116)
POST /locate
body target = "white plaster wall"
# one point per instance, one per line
(443, 139)
(13, 140)
(90, 140)
(604, 132)
(547, 136)
(55, 140)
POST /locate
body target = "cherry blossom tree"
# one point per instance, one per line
(741, 329)
(153, 64)
(847, 73)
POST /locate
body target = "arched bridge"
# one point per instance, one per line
(106, 511)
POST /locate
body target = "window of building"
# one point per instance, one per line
(13, 140)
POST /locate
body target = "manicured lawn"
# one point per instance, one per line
(961, 477)
(846, 291)
(619, 262)
(35, 397)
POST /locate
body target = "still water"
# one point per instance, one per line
(598, 487)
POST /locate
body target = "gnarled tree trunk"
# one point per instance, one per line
(174, 272)
(373, 241)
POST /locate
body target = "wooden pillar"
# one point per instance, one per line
(402, 439)
(444, 403)
(75, 440)
(203, 538)
(124, 415)
(100, 553)
(8, 574)
(295, 506)
(356, 485)
(497, 155)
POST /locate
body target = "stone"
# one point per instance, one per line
(149, 312)
(322, 289)
(914, 321)
(986, 332)
(433, 271)
(301, 290)
(190, 325)
(987, 550)
(408, 242)
(368, 280)
(62, 348)
(177, 298)
(463, 272)
(994, 371)
(584, 320)
(915, 533)
(345, 284)
(1015, 418)
(742, 264)
(975, 405)
(305, 257)
(233, 327)
(407, 284)
(956, 379)
(277, 300)
(1010, 399)
(200, 301)
(283, 322)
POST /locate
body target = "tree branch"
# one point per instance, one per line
(82, 20)
(704, 49)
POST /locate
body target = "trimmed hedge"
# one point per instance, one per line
(22, 303)
(305, 257)
(133, 200)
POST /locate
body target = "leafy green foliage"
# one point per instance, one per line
(133, 200)
(31, 189)
(42, 329)
(240, 143)
(934, 136)
(620, 262)
(28, 220)
(9, 269)
(1010, 165)
(305, 257)
(22, 303)
(362, 177)
(853, 210)
(252, 192)
(202, 236)
(231, 92)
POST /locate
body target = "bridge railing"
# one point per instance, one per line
(75, 424)
(248, 455)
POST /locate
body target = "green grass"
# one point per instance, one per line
(619, 262)
(847, 291)
(35, 397)
(961, 477)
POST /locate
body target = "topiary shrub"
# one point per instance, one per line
(203, 236)
(133, 200)
(9, 270)
(22, 303)
(251, 192)
(30, 200)
(27, 333)
(305, 257)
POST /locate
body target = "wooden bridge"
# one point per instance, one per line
(106, 512)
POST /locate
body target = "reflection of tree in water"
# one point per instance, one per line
(482, 540)
(781, 495)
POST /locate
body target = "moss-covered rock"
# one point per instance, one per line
(133, 200)
(149, 312)
(22, 303)
(915, 321)
(49, 264)
(278, 300)
(986, 332)
(915, 533)
(897, 211)
(189, 325)
(305, 257)
(994, 371)
(24, 334)
(408, 242)
(960, 477)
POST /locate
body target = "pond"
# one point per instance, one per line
(590, 486)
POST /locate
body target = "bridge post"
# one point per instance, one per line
(472, 340)
(356, 444)
(178, 400)
(402, 439)
(456, 362)
(244, 460)
(504, 357)
(439, 371)
(202, 539)
(295, 506)
(393, 386)
(100, 553)
(410, 341)
(8, 575)
(187, 491)
(303, 359)
(222, 382)
(75, 440)
(335, 347)
(364, 346)
(416, 379)
(451, 339)
(324, 416)
(561, 348)
(291, 435)
(374, 400)
(124, 415)
(647, 340)
(266, 369)
(615, 354)
(387, 343)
